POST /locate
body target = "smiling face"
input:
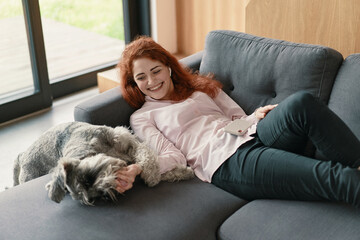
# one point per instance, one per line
(153, 78)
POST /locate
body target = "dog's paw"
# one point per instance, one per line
(177, 174)
(150, 179)
(147, 160)
(150, 172)
(55, 191)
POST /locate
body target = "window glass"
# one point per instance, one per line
(15, 65)
(81, 34)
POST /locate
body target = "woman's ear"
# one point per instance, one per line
(170, 71)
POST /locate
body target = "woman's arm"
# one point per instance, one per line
(169, 156)
(233, 111)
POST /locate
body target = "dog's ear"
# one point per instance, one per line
(123, 140)
(68, 165)
(56, 187)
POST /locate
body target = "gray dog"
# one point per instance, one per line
(84, 159)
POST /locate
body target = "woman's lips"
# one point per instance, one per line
(156, 87)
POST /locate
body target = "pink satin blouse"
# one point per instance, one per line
(191, 132)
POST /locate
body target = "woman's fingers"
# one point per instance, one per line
(268, 108)
(125, 179)
(123, 186)
(262, 111)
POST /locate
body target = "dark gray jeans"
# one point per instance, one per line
(271, 165)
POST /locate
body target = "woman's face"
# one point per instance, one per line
(153, 78)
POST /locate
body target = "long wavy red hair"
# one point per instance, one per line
(185, 82)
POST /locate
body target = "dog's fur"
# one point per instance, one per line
(84, 159)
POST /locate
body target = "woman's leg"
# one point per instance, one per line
(256, 171)
(301, 117)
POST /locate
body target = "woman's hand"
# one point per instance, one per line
(126, 177)
(261, 112)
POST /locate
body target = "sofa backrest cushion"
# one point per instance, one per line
(345, 96)
(256, 71)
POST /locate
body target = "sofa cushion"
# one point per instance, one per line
(345, 96)
(184, 210)
(257, 71)
(275, 219)
(193, 61)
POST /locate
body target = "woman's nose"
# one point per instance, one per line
(151, 79)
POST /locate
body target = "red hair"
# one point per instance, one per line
(185, 82)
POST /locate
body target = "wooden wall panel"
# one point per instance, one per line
(350, 27)
(263, 19)
(305, 21)
(333, 23)
(195, 18)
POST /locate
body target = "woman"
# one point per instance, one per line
(182, 116)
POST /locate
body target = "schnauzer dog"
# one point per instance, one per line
(84, 159)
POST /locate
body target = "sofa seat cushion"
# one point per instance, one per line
(276, 219)
(183, 210)
(257, 71)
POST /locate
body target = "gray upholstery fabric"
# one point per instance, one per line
(183, 210)
(257, 71)
(108, 108)
(193, 61)
(345, 96)
(275, 219)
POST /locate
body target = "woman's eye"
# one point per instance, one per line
(140, 78)
(156, 71)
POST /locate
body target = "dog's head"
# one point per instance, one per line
(86, 180)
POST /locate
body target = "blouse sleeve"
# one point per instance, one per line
(168, 155)
(231, 109)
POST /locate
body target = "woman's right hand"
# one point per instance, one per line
(126, 177)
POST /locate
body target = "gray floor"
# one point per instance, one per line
(18, 135)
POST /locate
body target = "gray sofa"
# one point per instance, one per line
(255, 71)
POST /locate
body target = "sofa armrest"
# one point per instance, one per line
(108, 108)
(193, 61)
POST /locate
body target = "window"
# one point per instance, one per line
(81, 34)
(50, 48)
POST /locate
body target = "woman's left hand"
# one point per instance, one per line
(261, 112)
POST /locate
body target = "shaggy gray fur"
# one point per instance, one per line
(84, 158)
